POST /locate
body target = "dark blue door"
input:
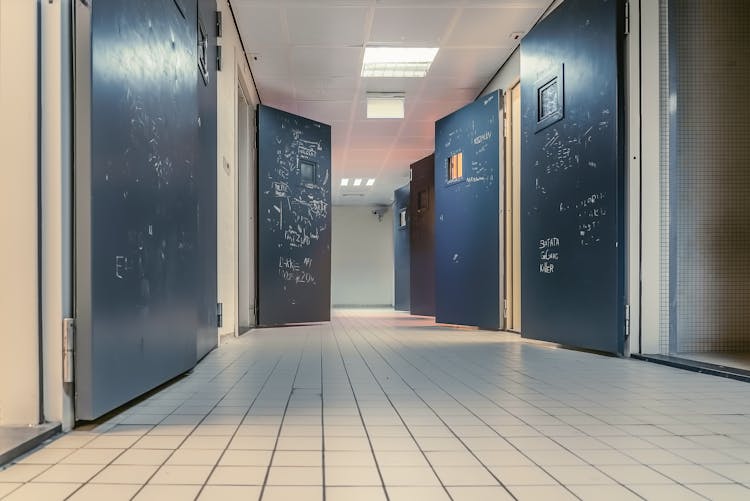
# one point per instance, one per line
(139, 186)
(467, 215)
(294, 228)
(401, 248)
(572, 227)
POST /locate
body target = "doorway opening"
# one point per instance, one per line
(246, 208)
(512, 209)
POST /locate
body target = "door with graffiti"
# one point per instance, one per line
(294, 219)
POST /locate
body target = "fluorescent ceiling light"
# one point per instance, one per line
(344, 181)
(370, 182)
(385, 105)
(397, 62)
(357, 182)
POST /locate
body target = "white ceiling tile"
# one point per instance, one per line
(259, 26)
(303, 3)
(325, 111)
(417, 3)
(411, 26)
(341, 26)
(470, 67)
(392, 84)
(270, 62)
(274, 89)
(384, 127)
(283, 105)
(424, 128)
(325, 94)
(326, 62)
(367, 159)
(417, 142)
(491, 27)
(433, 111)
(439, 88)
(327, 83)
(381, 143)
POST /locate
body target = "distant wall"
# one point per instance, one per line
(362, 257)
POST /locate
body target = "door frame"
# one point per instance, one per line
(511, 211)
(245, 206)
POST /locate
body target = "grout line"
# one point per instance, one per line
(232, 437)
(528, 424)
(359, 412)
(377, 381)
(322, 422)
(500, 482)
(283, 418)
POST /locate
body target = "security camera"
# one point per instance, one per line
(379, 212)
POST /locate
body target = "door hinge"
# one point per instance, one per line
(219, 24)
(218, 58)
(627, 321)
(68, 349)
(219, 315)
(627, 18)
(505, 308)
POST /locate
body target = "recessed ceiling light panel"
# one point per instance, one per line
(357, 182)
(370, 182)
(344, 181)
(385, 105)
(398, 62)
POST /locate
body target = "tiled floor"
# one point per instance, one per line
(379, 405)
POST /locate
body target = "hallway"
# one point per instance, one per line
(411, 411)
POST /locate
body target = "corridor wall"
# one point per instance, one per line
(422, 237)
(19, 213)
(401, 257)
(468, 185)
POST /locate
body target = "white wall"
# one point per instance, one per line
(508, 75)
(19, 336)
(652, 265)
(235, 71)
(361, 257)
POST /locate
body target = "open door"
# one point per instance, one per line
(421, 221)
(139, 188)
(294, 226)
(468, 198)
(572, 158)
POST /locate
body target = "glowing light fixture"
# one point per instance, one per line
(344, 181)
(357, 182)
(370, 182)
(385, 104)
(398, 62)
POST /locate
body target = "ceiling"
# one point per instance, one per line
(306, 58)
